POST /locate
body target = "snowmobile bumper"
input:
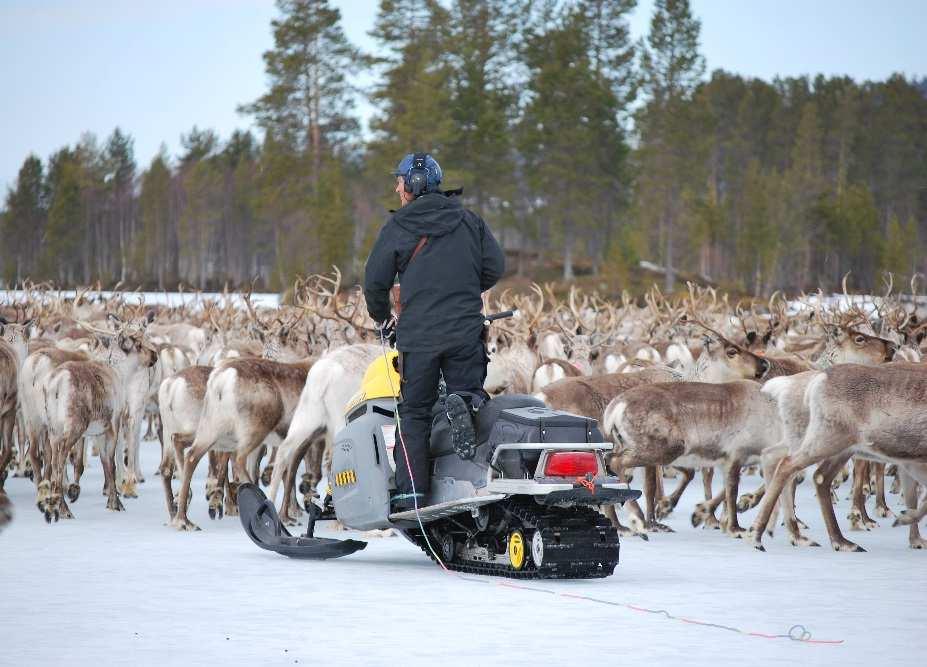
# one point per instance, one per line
(584, 495)
(262, 524)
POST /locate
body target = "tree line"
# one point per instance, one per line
(586, 151)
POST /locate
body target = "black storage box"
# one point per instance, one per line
(541, 424)
(537, 425)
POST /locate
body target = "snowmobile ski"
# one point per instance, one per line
(262, 524)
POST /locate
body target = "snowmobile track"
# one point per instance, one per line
(579, 543)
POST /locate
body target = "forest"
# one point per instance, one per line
(586, 151)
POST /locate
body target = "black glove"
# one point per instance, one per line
(387, 331)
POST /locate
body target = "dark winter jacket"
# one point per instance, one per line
(441, 287)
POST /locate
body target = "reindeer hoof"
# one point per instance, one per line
(305, 487)
(884, 511)
(73, 492)
(266, 475)
(919, 543)
(759, 546)
(658, 527)
(663, 508)
(115, 504)
(184, 525)
(745, 502)
(848, 547)
(906, 518)
(802, 541)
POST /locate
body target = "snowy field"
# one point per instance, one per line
(124, 589)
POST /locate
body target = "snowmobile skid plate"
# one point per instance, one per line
(262, 524)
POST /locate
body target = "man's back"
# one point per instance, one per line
(441, 286)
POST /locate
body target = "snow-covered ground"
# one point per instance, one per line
(120, 589)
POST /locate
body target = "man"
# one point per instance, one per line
(444, 257)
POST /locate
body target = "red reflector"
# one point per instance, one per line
(571, 464)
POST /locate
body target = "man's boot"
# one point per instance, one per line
(463, 435)
(403, 502)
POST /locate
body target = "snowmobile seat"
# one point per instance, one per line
(487, 415)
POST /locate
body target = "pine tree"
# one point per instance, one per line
(152, 244)
(24, 221)
(671, 67)
(413, 94)
(569, 125)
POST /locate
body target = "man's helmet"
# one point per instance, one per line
(420, 172)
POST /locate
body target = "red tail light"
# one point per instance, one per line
(571, 464)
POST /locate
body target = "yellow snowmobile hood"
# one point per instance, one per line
(381, 380)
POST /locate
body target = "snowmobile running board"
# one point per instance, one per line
(261, 522)
(441, 510)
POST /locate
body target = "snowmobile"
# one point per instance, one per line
(523, 506)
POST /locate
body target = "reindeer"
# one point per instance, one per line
(329, 386)
(869, 410)
(12, 354)
(692, 424)
(88, 398)
(180, 404)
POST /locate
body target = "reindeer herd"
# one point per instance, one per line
(683, 386)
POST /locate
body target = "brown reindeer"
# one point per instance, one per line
(88, 398)
(692, 424)
(874, 411)
(246, 400)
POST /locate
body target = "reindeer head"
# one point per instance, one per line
(724, 361)
(16, 334)
(845, 345)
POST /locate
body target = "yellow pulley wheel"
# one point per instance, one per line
(517, 549)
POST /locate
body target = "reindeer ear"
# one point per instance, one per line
(751, 337)
(532, 341)
(149, 316)
(920, 336)
(767, 337)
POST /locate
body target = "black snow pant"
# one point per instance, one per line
(464, 370)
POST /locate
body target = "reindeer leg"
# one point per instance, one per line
(909, 491)
(241, 462)
(731, 483)
(708, 474)
(623, 531)
(191, 459)
(881, 506)
(289, 510)
(268, 471)
(857, 516)
(213, 461)
(823, 477)
(231, 491)
(667, 504)
(108, 460)
(216, 495)
(650, 491)
(788, 466)
(7, 423)
(169, 460)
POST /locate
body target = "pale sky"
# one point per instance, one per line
(157, 67)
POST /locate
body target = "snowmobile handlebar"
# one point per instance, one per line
(489, 319)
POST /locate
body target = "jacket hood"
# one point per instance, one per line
(433, 214)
